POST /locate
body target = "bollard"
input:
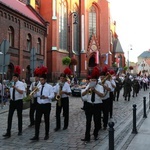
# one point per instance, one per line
(144, 107)
(134, 130)
(111, 136)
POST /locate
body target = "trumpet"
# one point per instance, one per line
(36, 89)
(107, 77)
(90, 91)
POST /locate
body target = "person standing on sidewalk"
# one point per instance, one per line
(92, 94)
(63, 90)
(33, 102)
(44, 96)
(16, 103)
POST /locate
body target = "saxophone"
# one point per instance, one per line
(58, 96)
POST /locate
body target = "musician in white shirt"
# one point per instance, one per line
(44, 99)
(33, 102)
(16, 103)
(63, 90)
(92, 94)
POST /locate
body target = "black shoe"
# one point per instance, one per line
(56, 129)
(95, 138)
(46, 137)
(30, 125)
(7, 135)
(35, 138)
(85, 140)
(19, 133)
(64, 128)
(104, 128)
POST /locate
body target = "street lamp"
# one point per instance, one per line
(128, 56)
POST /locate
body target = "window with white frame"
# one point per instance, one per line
(92, 21)
(62, 25)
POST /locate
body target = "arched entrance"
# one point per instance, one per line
(92, 63)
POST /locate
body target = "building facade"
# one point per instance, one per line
(79, 29)
(22, 26)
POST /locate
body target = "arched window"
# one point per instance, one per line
(39, 46)
(75, 18)
(11, 36)
(92, 21)
(29, 44)
(62, 25)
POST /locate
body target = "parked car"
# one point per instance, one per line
(76, 89)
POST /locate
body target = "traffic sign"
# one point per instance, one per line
(4, 59)
(4, 46)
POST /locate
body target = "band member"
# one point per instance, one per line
(118, 87)
(62, 90)
(33, 102)
(92, 94)
(87, 82)
(44, 99)
(16, 103)
(106, 98)
(113, 86)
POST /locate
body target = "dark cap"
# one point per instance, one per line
(63, 75)
(16, 75)
(43, 76)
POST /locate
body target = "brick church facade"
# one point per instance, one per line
(79, 29)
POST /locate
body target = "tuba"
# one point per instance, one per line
(58, 96)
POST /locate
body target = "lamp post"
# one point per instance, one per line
(128, 57)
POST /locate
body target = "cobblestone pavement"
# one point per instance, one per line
(69, 139)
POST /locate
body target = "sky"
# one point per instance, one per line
(132, 25)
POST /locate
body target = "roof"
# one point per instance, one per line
(21, 8)
(145, 54)
(117, 46)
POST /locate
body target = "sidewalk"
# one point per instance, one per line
(141, 140)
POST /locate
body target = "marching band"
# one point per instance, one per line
(98, 95)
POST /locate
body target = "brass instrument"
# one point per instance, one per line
(36, 89)
(58, 96)
(90, 91)
(107, 77)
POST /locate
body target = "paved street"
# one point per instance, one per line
(69, 139)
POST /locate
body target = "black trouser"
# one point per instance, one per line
(40, 110)
(32, 111)
(145, 86)
(18, 105)
(65, 106)
(116, 93)
(105, 110)
(95, 111)
(111, 104)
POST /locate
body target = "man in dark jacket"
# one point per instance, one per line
(118, 87)
(127, 87)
